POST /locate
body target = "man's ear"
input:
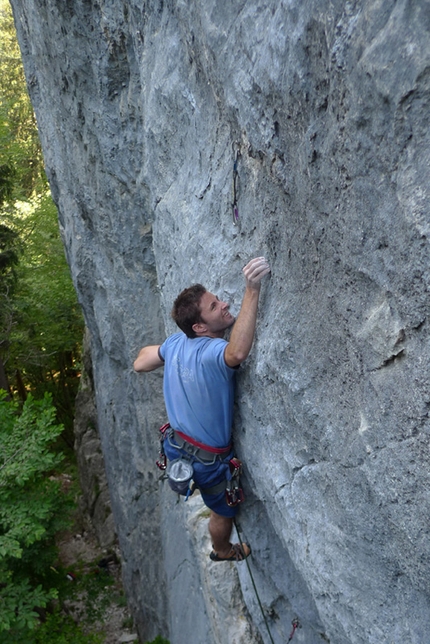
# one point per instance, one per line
(199, 327)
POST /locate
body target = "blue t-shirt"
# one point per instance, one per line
(198, 388)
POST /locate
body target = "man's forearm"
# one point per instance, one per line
(148, 359)
(242, 335)
(243, 331)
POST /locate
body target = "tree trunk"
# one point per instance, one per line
(4, 383)
(20, 386)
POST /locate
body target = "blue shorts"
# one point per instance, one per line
(206, 476)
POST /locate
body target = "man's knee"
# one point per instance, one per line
(220, 517)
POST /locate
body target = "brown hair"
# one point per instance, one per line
(186, 309)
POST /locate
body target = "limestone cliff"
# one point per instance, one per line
(143, 108)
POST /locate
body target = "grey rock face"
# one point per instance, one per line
(142, 107)
(95, 500)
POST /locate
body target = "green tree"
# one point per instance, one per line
(8, 261)
(58, 628)
(41, 325)
(45, 341)
(32, 510)
(41, 328)
(21, 162)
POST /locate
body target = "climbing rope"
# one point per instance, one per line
(295, 621)
(236, 152)
(255, 587)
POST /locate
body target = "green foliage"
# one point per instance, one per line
(41, 325)
(24, 442)
(21, 163)
(88, 598)
(159, 640)
(7, 176)
(41, 328)
(94, 589)
(45, 341)
(58, 628)
(8, 251)
(49, 317)
(32, 510)
(9, 248)
(17, 606)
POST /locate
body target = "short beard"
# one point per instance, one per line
(227, 332)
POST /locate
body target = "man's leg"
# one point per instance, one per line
(220, 530)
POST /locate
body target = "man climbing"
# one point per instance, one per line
(199, 393)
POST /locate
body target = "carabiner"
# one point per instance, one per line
(233, 494)
(161, 462)
(235, 466)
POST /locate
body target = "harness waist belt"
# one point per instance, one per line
(195, 447)
(215, 489)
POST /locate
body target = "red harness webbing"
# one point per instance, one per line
(207, 448)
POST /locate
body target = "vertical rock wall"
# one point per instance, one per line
(142, 107)
(94, 500)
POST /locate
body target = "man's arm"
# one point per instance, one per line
(243, 331)
(148, 358)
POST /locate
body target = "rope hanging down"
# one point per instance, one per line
(295, 622)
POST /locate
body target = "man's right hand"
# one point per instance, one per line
(243, 330)
(254, 272)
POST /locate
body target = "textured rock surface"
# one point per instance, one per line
(95, 500)
(139, 104)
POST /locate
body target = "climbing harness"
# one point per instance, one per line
(180, 471)
(203, 453)
(236, 152)
(295, 622)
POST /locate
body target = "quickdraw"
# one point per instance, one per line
(234, 205)
(233, 493)
(161, 462)
(296, 625)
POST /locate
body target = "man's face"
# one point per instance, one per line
(215, 315)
